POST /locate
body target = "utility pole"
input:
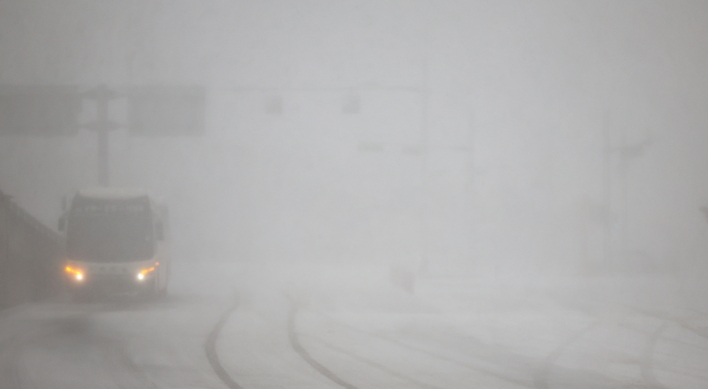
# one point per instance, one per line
(625, 152)
(102, 125)
(607, 189)
(103, 150)
(425, 212)
(623, 165)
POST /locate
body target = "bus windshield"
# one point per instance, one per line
(103, 231)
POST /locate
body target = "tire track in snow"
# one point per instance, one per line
(297, 346)
(10, 376)
(541, 379)
(684, 322)
(59, 337)
(435, 355)
(647, 365)
(373, 364)
(210, 350)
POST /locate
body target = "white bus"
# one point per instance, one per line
(116, 242)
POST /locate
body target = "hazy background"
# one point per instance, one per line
(519, 97)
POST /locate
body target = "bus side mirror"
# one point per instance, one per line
(159, 231)
(62, 223)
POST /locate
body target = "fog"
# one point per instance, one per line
(370, 156)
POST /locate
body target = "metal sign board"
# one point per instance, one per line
(166, 110)
(39, 110)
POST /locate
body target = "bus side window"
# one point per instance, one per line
(159, 231)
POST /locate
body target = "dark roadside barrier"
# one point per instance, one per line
(29, 256)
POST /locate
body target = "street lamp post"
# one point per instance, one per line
(626, 152)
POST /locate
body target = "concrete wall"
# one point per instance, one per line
(29, 256)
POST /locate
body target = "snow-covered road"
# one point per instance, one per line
(330, 333)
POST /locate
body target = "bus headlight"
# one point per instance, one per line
(142, 274)
(76, 274)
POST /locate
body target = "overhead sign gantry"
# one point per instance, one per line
(53, 110)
